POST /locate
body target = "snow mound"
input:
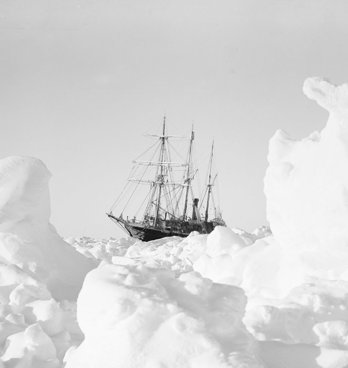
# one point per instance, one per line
(37, 270)
(101, 249)
(314, 313)
(223, 240)
(35, 329)
(27, 239)
(217, 259)
(297, 318)
(134, 316)
(306, 186)
(306, 183)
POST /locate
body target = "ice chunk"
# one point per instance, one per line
(330, 97)
(47, 313)
(133, 316)
(306, 183)
(29, 346)
(27, 239)
(222, 240)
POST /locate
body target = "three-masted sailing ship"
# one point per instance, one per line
(169, 206)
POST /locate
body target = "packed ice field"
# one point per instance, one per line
(267, 299)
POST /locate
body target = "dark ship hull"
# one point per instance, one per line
(145, 232)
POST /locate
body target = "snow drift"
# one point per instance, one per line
(306, 183)
(27, 239)
(136, 317)
(35, 329)
(296, 280)
(37, 271)
(306, 187)
(124, 307)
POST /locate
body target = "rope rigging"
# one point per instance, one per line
(170, 185)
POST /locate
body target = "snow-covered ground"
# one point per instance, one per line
(228, 299)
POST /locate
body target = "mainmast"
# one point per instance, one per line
(188, 174)
(161, 176)
(210, 184)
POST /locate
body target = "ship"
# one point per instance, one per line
(168, 206)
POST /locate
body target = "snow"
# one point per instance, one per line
(306, 183)
(27, 239)
(38, 271)
(273, 298)
(160, 321)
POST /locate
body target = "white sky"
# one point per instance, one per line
(81, 81)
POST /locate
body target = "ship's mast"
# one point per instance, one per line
(210, 184)
(161, 176)
(188, 174)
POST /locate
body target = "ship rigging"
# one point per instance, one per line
(164, 209)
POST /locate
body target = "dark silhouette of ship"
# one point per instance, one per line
(164, 208)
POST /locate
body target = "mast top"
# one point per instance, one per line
(211, 161)
(210, 183)
(164, 126)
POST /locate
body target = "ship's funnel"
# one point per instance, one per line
(195, 214)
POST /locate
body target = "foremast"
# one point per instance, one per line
(160, 178)
(188, 178)
(210, 183)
